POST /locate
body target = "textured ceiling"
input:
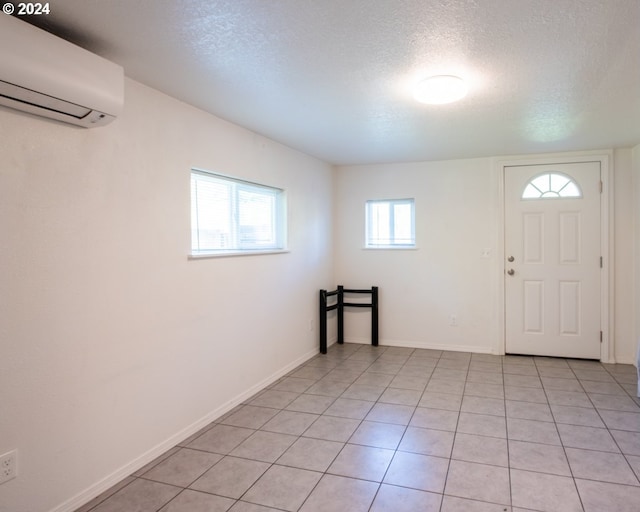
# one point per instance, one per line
(332, 78)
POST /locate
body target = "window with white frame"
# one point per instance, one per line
(230, 216)
(551, 185)
(390, 223)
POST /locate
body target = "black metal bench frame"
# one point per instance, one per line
(339, 305)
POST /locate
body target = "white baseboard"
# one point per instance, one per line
(106, 483)
(422, 344)
(625, 360)
(453, 348)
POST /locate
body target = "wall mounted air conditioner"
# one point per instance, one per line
(50, 77)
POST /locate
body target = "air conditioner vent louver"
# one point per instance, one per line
(50, 77)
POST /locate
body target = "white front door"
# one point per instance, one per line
(552, 260)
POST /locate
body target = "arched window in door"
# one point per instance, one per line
(551, 185)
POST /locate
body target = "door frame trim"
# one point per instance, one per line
(605, 158)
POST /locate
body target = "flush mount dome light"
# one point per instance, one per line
(440, 89)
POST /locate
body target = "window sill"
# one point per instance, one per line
(389, 248)
(230, 254)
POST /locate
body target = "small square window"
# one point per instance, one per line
(390, 223)
(233, 216)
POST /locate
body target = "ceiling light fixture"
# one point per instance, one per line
(440, 89)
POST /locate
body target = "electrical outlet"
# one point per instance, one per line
(8, 466)
(311, 325)
(453, 321)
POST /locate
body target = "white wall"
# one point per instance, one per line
(624, 316)
(636, 250)
(113, 344)
(457, 217)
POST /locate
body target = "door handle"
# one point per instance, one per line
(510, 258)
(511, 271)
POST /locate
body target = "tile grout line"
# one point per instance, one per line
(455, 434)
(624, 457)
(506, 426)
(564, 448)
(334, 398)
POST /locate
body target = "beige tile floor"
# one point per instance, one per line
(396, 429)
